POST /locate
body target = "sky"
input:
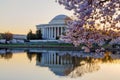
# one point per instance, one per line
(19, 16)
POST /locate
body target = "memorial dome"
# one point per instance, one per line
(59, 19)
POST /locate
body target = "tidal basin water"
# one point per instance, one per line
(34, 64)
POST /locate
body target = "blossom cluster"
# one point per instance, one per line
(90, 14)
(115, 41)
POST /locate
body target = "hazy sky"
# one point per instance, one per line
(18, 16)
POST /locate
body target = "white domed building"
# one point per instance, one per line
(55, 28)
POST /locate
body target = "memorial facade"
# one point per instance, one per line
(54, 28)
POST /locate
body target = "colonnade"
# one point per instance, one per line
(51, 33)
(54, 59)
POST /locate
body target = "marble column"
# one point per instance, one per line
(51, 58)
(43, 58)
(51, 32)
(54, 32)
(57, 59)
(61, 30)
(54, 58)
(47, 58)
(61, 60)
(65, 62)
(43, 35)
(46, 33)
(57, 31)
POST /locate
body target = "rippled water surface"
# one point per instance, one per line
(58, 65)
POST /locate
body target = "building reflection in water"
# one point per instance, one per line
(57, 64)
(74, 64)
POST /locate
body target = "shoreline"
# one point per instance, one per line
(66, 47)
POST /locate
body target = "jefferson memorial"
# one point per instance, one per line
(54, 28)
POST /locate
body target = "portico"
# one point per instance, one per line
(51, 32)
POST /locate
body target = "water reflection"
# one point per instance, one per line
(8, 53)
(30, 55)
(73, 64)
(66, 63)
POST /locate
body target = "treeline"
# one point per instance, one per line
(34, 36)
(7, 36)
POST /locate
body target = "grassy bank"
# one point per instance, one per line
(39, 45)
(54, 45)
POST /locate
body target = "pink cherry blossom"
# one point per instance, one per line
(89, 13)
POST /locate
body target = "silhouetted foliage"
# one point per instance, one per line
(31, 35)
(30, 55)
(7, 36)
(7, 55)
(38, 34)
(1, 36)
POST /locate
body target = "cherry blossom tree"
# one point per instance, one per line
(97, 21)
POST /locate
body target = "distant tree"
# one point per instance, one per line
(8, 36)
(38, 34)
(1, 37)
(31, 35)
